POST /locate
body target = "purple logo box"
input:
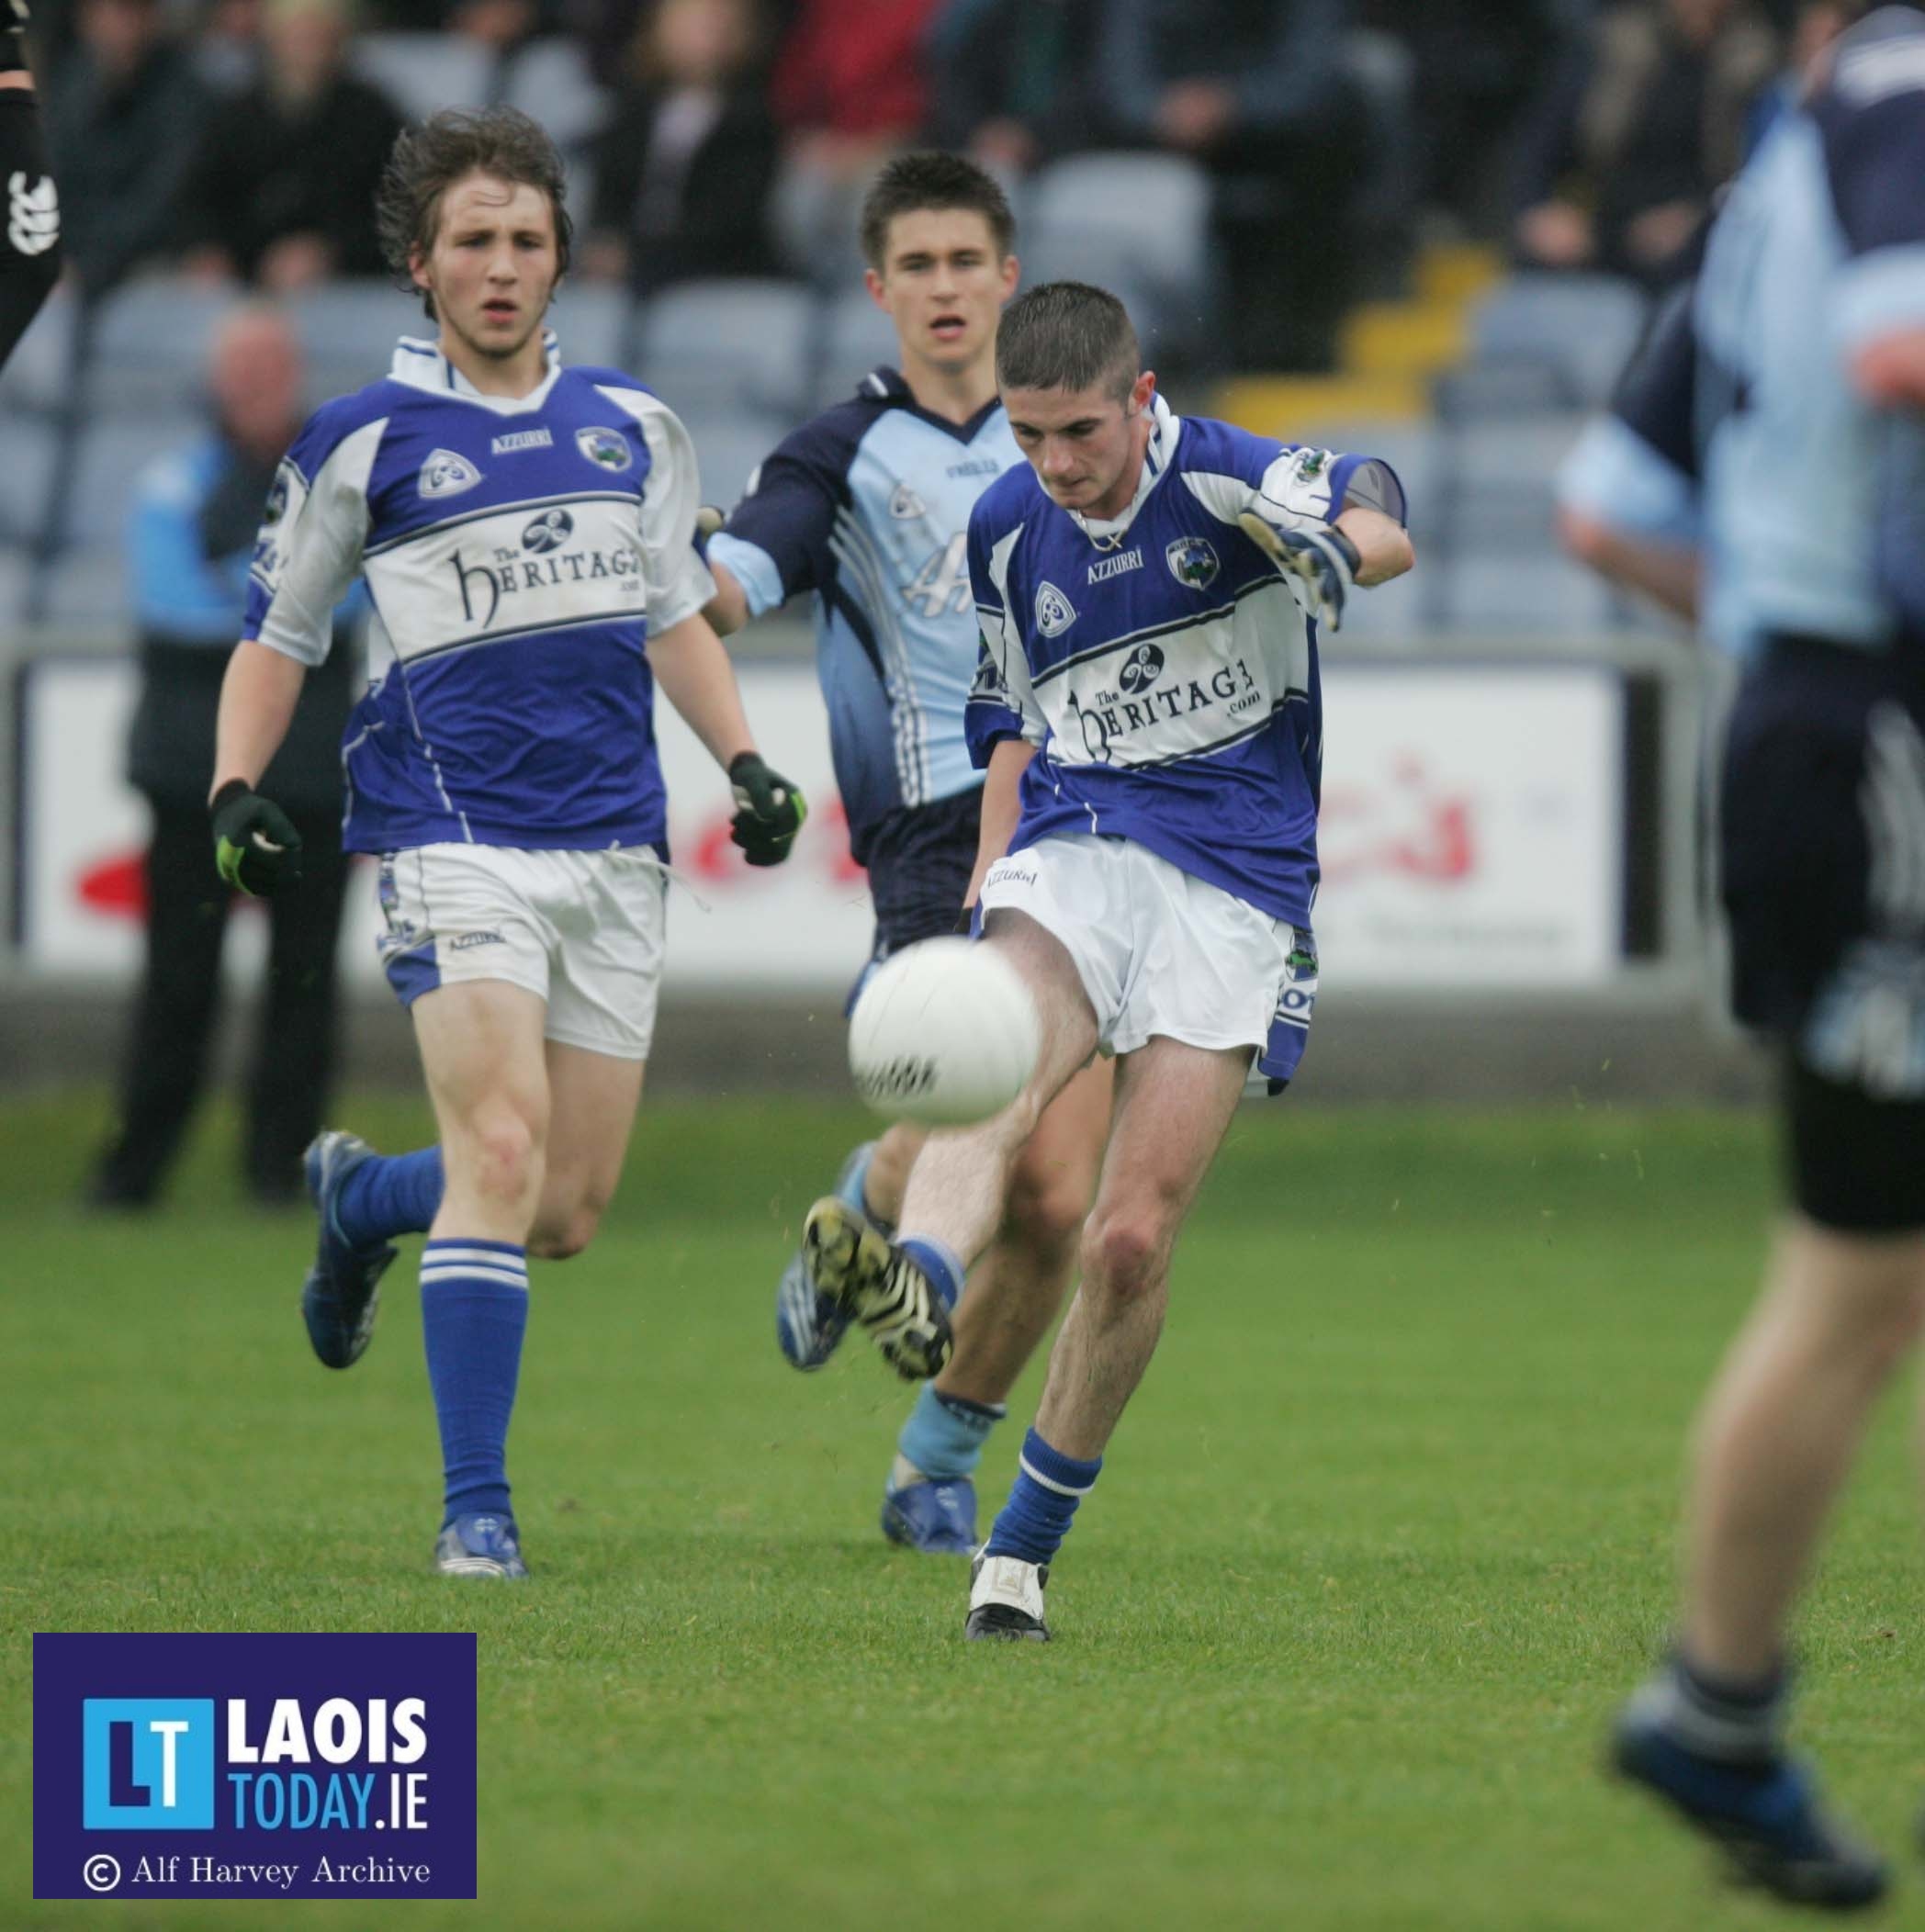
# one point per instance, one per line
(253, 1766)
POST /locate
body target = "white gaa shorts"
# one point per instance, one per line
(582, 930)
(1159, 951)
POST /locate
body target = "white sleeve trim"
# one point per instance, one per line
(308, 556)
(1003, 635)
(677, 581)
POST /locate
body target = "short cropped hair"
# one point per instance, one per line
(912, 181)
(1066, 335)
(457, 141)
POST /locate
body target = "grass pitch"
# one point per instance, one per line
(1384, 1536)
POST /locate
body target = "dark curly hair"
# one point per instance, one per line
(427, 161)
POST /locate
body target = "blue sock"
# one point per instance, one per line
(944, 1435)
(1048, 1486)
(392, 1194)
(474, 1310)
(939, 1264)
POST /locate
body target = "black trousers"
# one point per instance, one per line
(179, 1000)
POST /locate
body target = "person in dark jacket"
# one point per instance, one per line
(194, 526)
(122, 117)
(282, 191)
(684, 169)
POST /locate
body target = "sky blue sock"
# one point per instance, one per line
(390, 1194)
(1048, 1486)
(945, 1434)
(853, 1182)
(474, 1310)
(939, 1264)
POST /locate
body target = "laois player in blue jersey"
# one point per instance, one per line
(1784, 407)
(1150, 590)
(527, 534)
(867, 508)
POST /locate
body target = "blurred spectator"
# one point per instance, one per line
(1256, 91)
(195, 521)
(124, 111)
(1478, 65)
(849, 90)
(1012, 80)
(284, 187)
(684, 168)
(1645, 119)
(227, 51)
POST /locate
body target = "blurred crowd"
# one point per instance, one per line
(240, 139)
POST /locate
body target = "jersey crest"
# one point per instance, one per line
(1054, 612)
(607, 449)
(1193, 561)
(447, 474)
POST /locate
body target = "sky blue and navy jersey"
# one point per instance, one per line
(518, 552)
(1815, 520)
(867, 507)
(1162, 667)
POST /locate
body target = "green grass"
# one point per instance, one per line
(1385, 1534)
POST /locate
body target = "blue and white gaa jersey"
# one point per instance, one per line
(1164, 670)
(518, 553)
(867, 506)
(1815, 498)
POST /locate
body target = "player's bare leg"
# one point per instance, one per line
(592, 1102)
(1172, 1104)
(1014, 1292)
(958, 1186)
(486, 1063)
(1780, 1429)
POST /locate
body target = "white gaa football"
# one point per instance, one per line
(944, 1034)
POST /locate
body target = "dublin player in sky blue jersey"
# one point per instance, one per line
(867, 507)
(1788, 403)
(527, 532)
(1149, 590)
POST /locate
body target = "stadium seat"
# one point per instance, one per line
(594, 323)
(149, 345)
(37, 375)
(856, 337)
(16, 580)
(113, 455)
(1141, 218)
(729, 346)
(88, 590)
(1583, 327)
(348, 331)
(422, 72)
(550, 80)
(27, 474)
(729, 449)
(1537, 593)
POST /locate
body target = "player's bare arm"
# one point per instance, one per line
(1383, 546)
(257, 700)
(1001, 806)
(697, 678)
(1669, 574)
(727, 610)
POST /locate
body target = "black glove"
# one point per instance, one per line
(255, 845)
(1324, 562)
(769, 810)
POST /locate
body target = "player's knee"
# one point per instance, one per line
(506, 1156)
(1046, 1212)
(1123, 1253)
(563, 1236)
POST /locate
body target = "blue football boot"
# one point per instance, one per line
(809, 1326)
(342, 1288)
(935, 1517)
(479, 1546)
(1765, 1819)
